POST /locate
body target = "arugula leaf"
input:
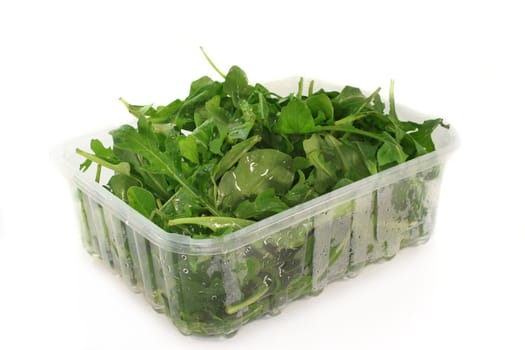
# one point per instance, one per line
(255, 172)
(139, 111)
(236, 85)
(265, 204)
(295, 118)
(348, 101)
(188, 148)
(234, 154)
(121, 167)
(321, 103)
(390, 152)
(120, 183)
(141, 200)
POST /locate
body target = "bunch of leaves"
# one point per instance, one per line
(231, 153)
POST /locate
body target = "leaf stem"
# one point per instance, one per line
(300, 88)
(353, 130)
(97, 176)
(238, 306)
(311, 88)
(214, 223)
(121, 167)
(211, 63)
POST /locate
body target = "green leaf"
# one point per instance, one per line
(321, 103)
(348, 101)
(256, 171)
(234, 154)
(348, 157)
(295, 118)
(139, 111)
(120, 183)
(390, 152)
(422, 133)
(265, 204)
(102, 152)
(122, 167)
(369, 155)
(167, 113)
(300, 192)
(200, 84)
(141, 200)
(325, 172)
(236, 84)
(188, 148)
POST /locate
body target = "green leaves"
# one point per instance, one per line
(144, 144)
(232, 152)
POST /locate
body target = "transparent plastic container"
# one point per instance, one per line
(214, 286)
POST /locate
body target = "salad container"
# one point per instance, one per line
(213, 286)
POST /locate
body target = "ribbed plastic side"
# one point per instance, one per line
(216, 294)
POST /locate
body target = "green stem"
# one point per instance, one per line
(121, 167)
(311, 88)
(368, 100)
(350, 119)
(300, 88)
(353, 130)
(97, 176)
(214, 223)
(212, 64)
(392, 102)
(238, 306)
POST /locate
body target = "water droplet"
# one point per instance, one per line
(185, 270)
(267, 280)
(184, 257)
(268, 240)
(213, 297)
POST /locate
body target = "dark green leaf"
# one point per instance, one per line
(265, 204)
(348, 101)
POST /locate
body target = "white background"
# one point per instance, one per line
(63, 65)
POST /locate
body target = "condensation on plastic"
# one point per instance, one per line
(331, 237)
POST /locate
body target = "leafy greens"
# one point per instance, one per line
(232, 152)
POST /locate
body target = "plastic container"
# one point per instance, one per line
(214, 286)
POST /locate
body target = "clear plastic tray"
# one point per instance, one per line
(203, 284)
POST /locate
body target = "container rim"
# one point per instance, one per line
(446, 142)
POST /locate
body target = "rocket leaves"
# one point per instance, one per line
(232, 152)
